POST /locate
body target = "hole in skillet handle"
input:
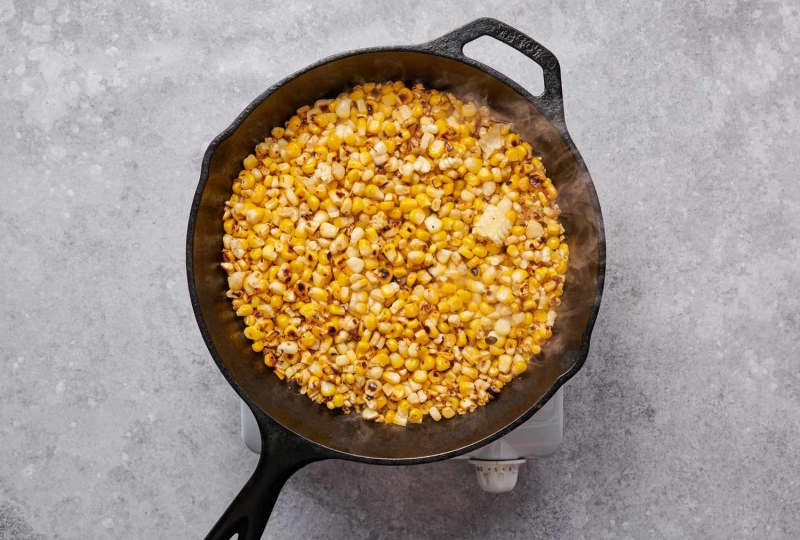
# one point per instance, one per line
(550, 101)
(504, 59)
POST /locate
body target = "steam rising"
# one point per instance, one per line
(582, 229)
(575, 201)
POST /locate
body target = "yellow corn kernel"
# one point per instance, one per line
(397, 361)
(411, 364)
(362, 347)
(417, 216)
(455, 303)
(411, 310)
(308, 339)
(442, 364)
(428, 363)
(415, 257)
(327, 389)
(466, 388)
(480, 251)
(282, 321)
(408, 204)
(403, 407)
(436, 149)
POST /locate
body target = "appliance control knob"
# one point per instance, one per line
(497, 476)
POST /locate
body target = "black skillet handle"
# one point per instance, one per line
(551, 102)
(282, 454)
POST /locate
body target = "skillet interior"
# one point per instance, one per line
(348, 433)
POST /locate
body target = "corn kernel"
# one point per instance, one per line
(417, 216)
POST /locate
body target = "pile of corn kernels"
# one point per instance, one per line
(396, 252)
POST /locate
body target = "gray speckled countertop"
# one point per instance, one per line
(685, 422)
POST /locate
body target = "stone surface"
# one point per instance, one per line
(115, 423)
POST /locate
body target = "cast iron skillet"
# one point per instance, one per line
(295, 431)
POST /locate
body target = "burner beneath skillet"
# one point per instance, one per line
(497, 463)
